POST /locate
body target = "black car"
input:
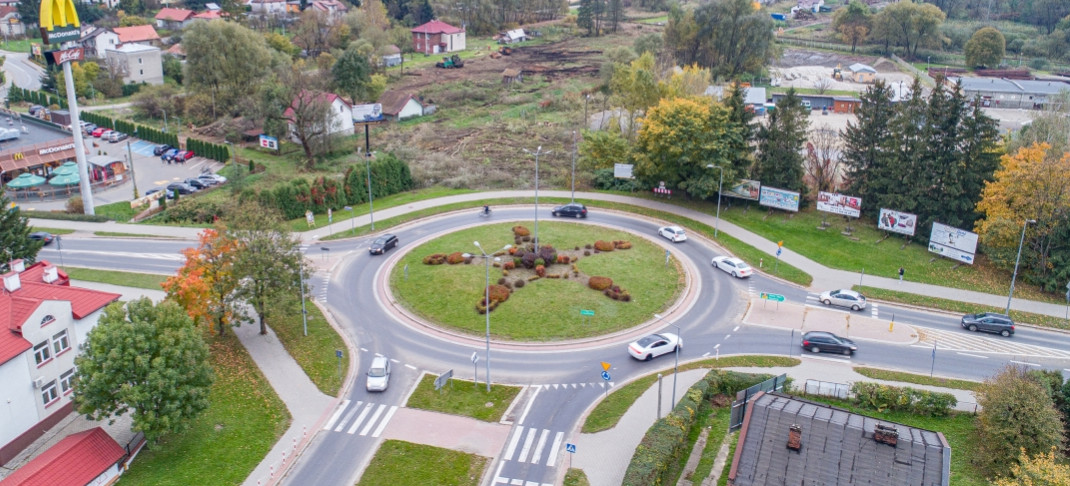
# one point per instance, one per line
(383, 243)
(181, 187)
(820, 341)
(197, 183)
(167, 194)
(989, 322)
(574, 210)
(160, 149)
(42, 236)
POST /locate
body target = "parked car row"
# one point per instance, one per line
(176, 155)
(113, 136)
(190, 185)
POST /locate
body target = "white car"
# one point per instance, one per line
(654, 345)
(733, 266)
(674, 234)
(378, 374)
(843, 298)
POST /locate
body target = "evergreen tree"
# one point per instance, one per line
(15, 235)
(906, 181)
(780, 162)
(739, 117)
(615, 13)
(585, 16)
(868, 162)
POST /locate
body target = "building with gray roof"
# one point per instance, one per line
(786, 440)
(1010, 93)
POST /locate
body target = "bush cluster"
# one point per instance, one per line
(600, 283)
(509, 265)
(435, 259)
(563, 259)
(919, 402)
(622, 245)
(521, 231)
(519, 283)
(540, 270)
(616, 293)
(601, 245)
(455, 258)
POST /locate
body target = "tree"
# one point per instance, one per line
(15, 235)
(316, 32)
(908, 25)
(282, 44)
(1017, 413)
(648, 43)
(1050, 125)
(689, 82)
(823, 160)
(853, 23)
(985, 48)
(602, 149)
(870, 168)
(309, 112)
(733, 37)
(636, 87)
(585, 16)
(352, 73)
(779, 163)
(224, 59)
(149, 360)
(206, 284)
(269, 263)
(1042, 469)
(1030, 184)
(30, 11)
(740, 116)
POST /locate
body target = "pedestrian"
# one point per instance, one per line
(900, 274)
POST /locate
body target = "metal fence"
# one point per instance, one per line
(743, 397)
(827, 388)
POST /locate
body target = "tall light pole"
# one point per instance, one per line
(1016, 260)
(675, 367)
(575, 148)
(720, 182)
(538, 151)
(486, 301)
(133, 176)
(371, 207)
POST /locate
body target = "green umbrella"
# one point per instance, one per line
(64, 179)
(66, 168)
(25, 180)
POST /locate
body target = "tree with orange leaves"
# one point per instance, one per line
(206, 285)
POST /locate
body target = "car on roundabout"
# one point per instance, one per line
(674, 234)
(843, 298)
(654, 345)
(573, 210)
(382, 244)
(827, 342)
(378, 374)
(44, 236)
(732, 266)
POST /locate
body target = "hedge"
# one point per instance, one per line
(657, 455)
(95, 218)
(143, 132)
(16, 94)
(881, 397)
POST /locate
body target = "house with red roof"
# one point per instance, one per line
(339, 122)
(10, 20)
(436, 37)
(43, 321)
(87, 457)
(138, 34)
(332, 8)
(173, 18)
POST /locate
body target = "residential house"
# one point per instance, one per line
(399, 106)
(812, 102)
(512, 36)
(333, 8)
(88, 457)
(341, 118)
(11, 22)
(861, 73)
(210, 15)
(845, 104)
(141, 63)
(212, 7)
(267, 8)
(177, 51)
(391, 56)
(437, 37)
(139, 34)
(786, 440)
(1010, 93)
(173, 18)
(43, 323)
(97, 40)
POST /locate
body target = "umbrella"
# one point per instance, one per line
(25, 180)
(64, 179)
(66, 168)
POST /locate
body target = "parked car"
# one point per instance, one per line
(160, 149)
(89, 127)
(843, 298)
(115, 137)
(575, 210)
(185, 155)
(98, 131)
(212, 178)
(383, 243)
(822, 342)
(196, 183)
(733, 266)
(42, 236)
(989, 322)
(179, 156)
(654, 345)
(167, 194)
(181, 187)
(378, 374)
(674, 234)
(169, 154)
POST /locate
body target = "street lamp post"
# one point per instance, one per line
(1014, 276)
(575, 148)
(133, 176)
(486, 300)
(720, 182)
(927, 66)
(371, 207)
(538, 151)
(675, 367)
(586, 121)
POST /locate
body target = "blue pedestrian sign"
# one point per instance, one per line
(570, 448)
(778, 250)
(605, 375)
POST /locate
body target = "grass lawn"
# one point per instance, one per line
(401, 463)
(576, 477)
(224, 444)
(879, 374)
(963, 307)
(550, 306)
(118, 211)
(462, 397)
(609, 411)
(401, 199)
(717, 421)
(149, 281)
(315, 353)
(55, 231)
(734, 438)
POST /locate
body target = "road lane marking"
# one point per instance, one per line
(736, 329)
(337, 413)
(498, 475)
(824, 358)
(386, 419)
(1024, 363)
(973, 355)
(411, 367)
(535, 456)
(527, 445)
(342, 424)
(717, 346)
(371, 421)
(706, 354)
(726, 336)
(554, 448)
(531, 402)
(360, 419)
(512, 443)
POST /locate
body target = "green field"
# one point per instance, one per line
(461, 397)
(398, 463)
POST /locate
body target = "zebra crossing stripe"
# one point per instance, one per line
(527, 446)
(337, 413)
(538, 448)
(360, 419)
(342, 424)
(386, 419)
(554, 448)
(513, 442)
(371, 421)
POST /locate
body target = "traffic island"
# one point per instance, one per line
(805, 318)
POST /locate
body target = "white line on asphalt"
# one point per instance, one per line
(726, 336)
(1064, 369)
(717, 346)
(513, 442)
(330, 423)
(835, 360)
(360, 419)
(535, 456)
(531, 401)
(411, 367)
(364, 349)
(371, 421)
(498, 475)
(386, 419)
(736, 329)
(343, 422)
(1024, 363)
(517, 482)
(554, 448)
(523, 457)
(704, 355)
(394, 361)
(974, 355)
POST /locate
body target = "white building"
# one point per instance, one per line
(341, 119)
(141, 63)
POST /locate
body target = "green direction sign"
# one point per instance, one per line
(773, 297)
(586, 312)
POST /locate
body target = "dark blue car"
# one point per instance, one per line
(170, 154)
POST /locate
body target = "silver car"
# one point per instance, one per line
(378, 374)
(843, 298)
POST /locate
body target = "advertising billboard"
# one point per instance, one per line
(896, 222)
(953, 243)
(746, 189)
(779, 198)
(623, 171)
(831, 202)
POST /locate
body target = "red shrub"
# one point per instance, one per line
(508, 265)
(540, 270)
(521, 231)
(622, 245)
(455, 258)
(600, 283)
(435, 259)
(601, 245)
(562, 259)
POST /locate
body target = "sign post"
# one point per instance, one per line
(773, 297)
(779, 248)
(586, 315)
(475, 370)
(571, 449)
(338, 353)
(605, 376)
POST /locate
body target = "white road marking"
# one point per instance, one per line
(527, 445)
(736, 329)
(342, 424)
(411, 367)
(498, 475)
(360, 419)
(538, 448)
(717, 346)
(973, 355)
(372, 420)
(705, 354)
(386, 419)
(337, 413)
(726, 336)
(554, 448)
(1024, 363)
(835, 360)
(512, 443)
(531, 401)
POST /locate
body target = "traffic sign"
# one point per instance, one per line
(773, 297)
(780, 243)
(570, 448)
(605, 375)
(778, 250)
(475, 358)
(584, 312)
(338, 353)
(605, 366)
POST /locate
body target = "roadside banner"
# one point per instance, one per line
(623, 171)
(746, 189)
(779, 198)
(953, 243)
(896, 222)
(269, 142)
(831, 202)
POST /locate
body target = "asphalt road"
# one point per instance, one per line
(19, 72)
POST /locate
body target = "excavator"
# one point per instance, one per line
(451, 62)
(837, 73)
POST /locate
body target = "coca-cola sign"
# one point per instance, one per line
(66, 55)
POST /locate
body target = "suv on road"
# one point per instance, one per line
(820, 341)
(989, 322)
(574, 210)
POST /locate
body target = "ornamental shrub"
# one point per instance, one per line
(562, 259)
(881, 397)
(540, 270)
(539, 262)
(528, 260)
(509, 265)
(455, 258)
(600, 283)
(622, 245)
(601, 245)
(519, 283)
(499, 293)
(521, 231)
(435, 259)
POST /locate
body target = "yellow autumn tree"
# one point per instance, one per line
(206, 285)
(635, 88)
(1039, 470)
(691, 81)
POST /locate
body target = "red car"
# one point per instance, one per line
(98, 132)
(186, 155)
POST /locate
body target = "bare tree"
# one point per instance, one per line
(823, 85)
(309, 116)
(823, 165)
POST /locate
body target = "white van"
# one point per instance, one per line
(806, 104)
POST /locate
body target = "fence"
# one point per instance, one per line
(743, 397)
(826, 388)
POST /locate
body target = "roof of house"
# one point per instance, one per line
(394, 101)
(212, 6)
(436, 27)
(515, 34)
(754, 96)
(176, 50)
(391, 50)
(17, 306)
(330, 5)
(74, 461)
(6, 10)
(210, 15)
(134, 48)
(137, 33)
(174, 14)
(835, 445)
(861, 68)
(1010, 86)
(322, 96)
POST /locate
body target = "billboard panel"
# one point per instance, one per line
(746, 189)
(831, 202)
(779, 198)
(896, 222)
(953, 243)
(623, 171)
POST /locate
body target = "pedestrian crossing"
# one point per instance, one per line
(177, 257)
(962, 340)
(814, 300)
(363, 418)
(600, 386)
(533, 445)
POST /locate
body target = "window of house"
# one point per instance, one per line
(60, 342)
(66, 381)
(47, 320)
(42, 353)
(49, 392)
(141, 72)
(139, 61)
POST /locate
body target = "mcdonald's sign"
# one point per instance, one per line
(18, 156)
(59, 21)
